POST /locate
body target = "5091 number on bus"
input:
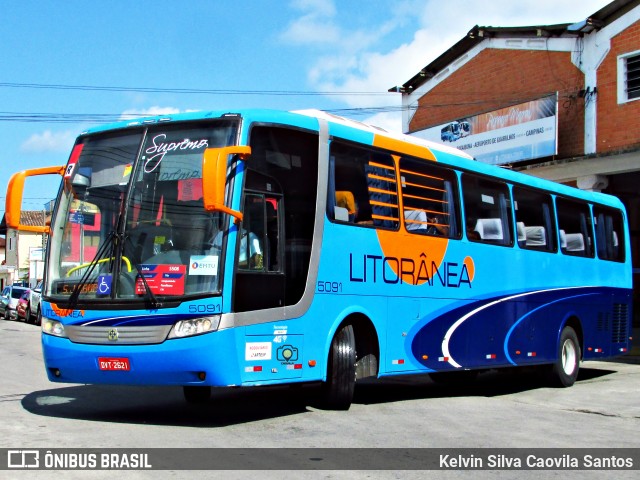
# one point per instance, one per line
(329, 287)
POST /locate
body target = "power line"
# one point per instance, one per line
(51, 117)
(98, 88)
(229, 91)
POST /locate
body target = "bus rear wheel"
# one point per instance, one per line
(196, 394)
(337, 391)
(564, 371)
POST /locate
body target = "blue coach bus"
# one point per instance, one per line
(267, 247)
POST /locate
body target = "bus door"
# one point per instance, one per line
(260, 278)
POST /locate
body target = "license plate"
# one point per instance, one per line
(114, 364)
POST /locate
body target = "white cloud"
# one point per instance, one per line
(49, 141)
(316, 7)
(147, 112)
(358, 67)
(315, 26)
(391, 122)
(377, 71)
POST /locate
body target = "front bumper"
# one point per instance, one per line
(173, 362)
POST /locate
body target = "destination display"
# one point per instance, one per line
(162, 279)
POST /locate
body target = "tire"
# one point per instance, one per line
(337, 391)
(564, 371)
(38, 320)
(196, 394)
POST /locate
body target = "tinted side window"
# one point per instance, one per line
(364, 187)
(16, 293)
(487, 208)
(429, 195)
(535, 221)
(609, 233)
(576, 232)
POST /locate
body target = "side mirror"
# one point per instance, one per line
(15, 192)
(214, 177)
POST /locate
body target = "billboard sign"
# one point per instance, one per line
(512, 134)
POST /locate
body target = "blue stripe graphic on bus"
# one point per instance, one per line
(469, 335)
(135, 321)
(519, 321)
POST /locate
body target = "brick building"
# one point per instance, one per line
(593, 66)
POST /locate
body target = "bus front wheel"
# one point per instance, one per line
(564, 371)
(341, 371)
(196, 394)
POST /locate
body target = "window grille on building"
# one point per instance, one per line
(633, 77)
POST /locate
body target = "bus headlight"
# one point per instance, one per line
(53, 327)
(194, 326)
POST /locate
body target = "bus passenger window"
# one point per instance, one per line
(252, 234)
(535, 223)
(576, 232)
(429, 196)
(364, 186)
(609, 238)
(487, 207)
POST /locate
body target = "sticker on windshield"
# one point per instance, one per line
(104, 284)
(203, 265)
(189, 190)
(75, 155)
(162, 279)
(128, 168)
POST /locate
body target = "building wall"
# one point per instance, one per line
(6, 273)
(618, 124)
(11, 251)
(496, 78)
(18, 255)
(26, 242)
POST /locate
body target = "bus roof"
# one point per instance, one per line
(308, 119)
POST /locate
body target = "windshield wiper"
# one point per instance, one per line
(108, 242)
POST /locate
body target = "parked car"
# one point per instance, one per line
(9, 300)
(21, 308)
(33, 307)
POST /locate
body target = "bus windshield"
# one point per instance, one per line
(130, 221)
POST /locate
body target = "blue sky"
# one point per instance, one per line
(341, 55)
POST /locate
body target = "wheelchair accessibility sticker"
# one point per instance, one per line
(104, 284)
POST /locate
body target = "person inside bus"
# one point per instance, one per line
(417, 221)
(472, 233)
(346, 200)
(436, 227)
(250, 255)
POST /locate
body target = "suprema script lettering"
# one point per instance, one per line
(159, 149)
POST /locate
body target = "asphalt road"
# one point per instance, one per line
(500, 410)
